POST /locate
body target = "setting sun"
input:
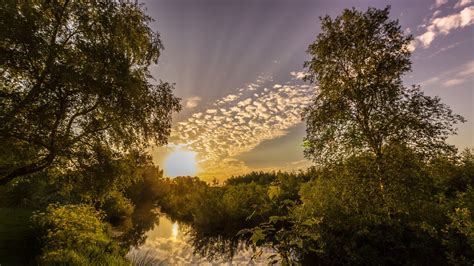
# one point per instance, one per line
(180, 163)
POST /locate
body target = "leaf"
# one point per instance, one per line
(258, 235)
(273, 191)
(274, 219)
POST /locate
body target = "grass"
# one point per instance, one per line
(144, 259)
(16, 237)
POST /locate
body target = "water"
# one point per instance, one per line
(168, 243)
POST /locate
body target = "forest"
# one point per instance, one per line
(80, 110)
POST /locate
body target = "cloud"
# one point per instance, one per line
(298, 75)
(467, 70)
(426, 38)
(454, 77)
(453, 82)
(192, 102)
(241, 123)
(463, 3)
(435, 14)
(444, 49)
(443, 26)
(439, 3)
(230, 98)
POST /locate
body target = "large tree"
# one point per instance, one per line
(358, 61)
(74, 79)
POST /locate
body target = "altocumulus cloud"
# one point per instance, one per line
(240, 121)
(192, 102)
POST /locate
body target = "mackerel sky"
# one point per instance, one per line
(237, 65)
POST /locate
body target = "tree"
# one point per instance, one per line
(358, 61)
(74, 77)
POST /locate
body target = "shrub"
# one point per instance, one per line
(117, 207)
(75, 234)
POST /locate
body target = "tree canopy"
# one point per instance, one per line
(75, 80)
(358, 61)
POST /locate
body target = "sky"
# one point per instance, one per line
(237, 66)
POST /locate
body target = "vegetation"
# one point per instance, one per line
(386, 189)
(78, 110)
(75, 84)
(75, 235)
(358, 61)
(337, 214)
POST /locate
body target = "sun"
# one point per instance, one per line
(181, 163)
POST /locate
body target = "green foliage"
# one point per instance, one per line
(117, 207)
(78, 110)
(74, 80)
(453, 174)
(352, 215)
(215, 214)
(102, 172)
(458, 234)
(398, 209)
(355, 213)
(101, 183)
(184, 193)
(75, 234)
(358, 60)
(260, 178)
(150, 187)
(144, 195)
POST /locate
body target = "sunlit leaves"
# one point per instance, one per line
(75, 234)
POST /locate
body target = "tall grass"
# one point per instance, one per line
(144, 258)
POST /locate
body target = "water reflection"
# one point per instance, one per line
(173, 243)
(144, 218)
(175, 230)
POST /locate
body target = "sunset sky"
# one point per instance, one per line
(237, 65)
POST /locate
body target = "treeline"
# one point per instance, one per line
(217, 214)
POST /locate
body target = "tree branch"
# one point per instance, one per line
(28, 169)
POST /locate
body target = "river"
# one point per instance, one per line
(168, 243)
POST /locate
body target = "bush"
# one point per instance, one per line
(75, 234)
(117, 207)
(355, 213)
